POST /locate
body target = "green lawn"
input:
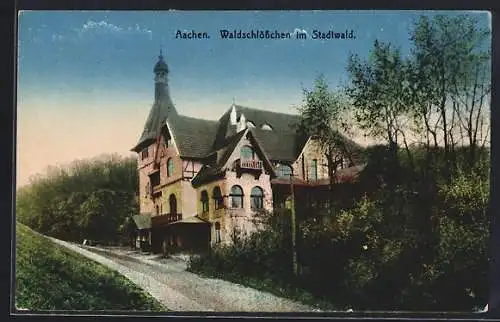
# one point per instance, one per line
(50, 277)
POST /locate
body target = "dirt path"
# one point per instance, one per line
(179, 290)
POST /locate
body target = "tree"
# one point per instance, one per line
(379, 91)
(323, 118)
(451, 82)
(78, 200)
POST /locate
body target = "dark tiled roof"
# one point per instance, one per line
(199, 138)
(157, 115)
(194, 137)
(208, 172)
(283, 143)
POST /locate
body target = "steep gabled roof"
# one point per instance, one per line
(210, 172)
(194, 137)
(156, 118)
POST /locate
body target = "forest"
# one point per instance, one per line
(92, 199)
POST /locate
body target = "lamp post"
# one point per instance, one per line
(294, 227)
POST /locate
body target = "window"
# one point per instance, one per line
(236, 197)
(246, 152)
(173, 204)
(144, 154)
(204, 201)
(157, 210)
(257, 198)
(155, 178)
(170, 167)
(314, 170)
(217, 232)
(284, 171)
(219, 200)
(147, 189)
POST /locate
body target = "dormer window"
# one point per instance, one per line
(250, 124)
(266, 127)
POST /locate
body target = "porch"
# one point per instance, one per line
(190, 234)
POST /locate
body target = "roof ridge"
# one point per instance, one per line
(197, 118)
(268, 111)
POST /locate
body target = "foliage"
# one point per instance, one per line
(416, 236)
(49, 277)
(89, 199)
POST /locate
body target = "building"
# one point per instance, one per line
(199, 179)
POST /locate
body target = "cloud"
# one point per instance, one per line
(103, 26)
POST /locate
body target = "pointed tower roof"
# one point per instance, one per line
(162, 109)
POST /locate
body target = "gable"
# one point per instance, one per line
(248, 140)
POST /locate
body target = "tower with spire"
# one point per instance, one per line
(161, 77)
(162, 108)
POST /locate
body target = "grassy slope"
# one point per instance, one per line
(50, 277)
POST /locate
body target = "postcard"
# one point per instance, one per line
(252, 161)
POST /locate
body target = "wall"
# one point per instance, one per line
(311, 151)
(213, 215)
(188, 199)
(145, 167)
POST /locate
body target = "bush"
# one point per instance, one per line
(415, 243)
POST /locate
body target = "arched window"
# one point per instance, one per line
(236, 197)
(314, 170)
(173, 204)
(257, 198)
(204, 201)
(217, 232)
(284, 171)
(170, 167)
(246, 152)
(219, 200)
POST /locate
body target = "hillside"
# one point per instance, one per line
(50, 277)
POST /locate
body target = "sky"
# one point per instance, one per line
(86, 82)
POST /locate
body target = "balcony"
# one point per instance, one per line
(250, 164)
(165, 219)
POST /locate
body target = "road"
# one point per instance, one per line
(168, 281)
